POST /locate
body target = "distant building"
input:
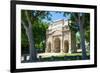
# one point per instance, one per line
(59, 38)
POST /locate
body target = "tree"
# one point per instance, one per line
(28, 28)
(80, 22)
(29, 19)
(74, 28)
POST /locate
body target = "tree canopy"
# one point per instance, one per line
(38, 28)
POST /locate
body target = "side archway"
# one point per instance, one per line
(66, 46)
(49, 47)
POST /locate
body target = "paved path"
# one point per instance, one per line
(56, 54)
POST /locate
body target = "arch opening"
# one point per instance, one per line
(57, 45)
(66, 46)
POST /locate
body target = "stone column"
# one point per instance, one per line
(52, 44)
(69, 42)
(46, 42)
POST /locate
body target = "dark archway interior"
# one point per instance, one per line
(66, 46)
(57, 45)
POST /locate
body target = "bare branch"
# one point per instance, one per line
(79, 19)
(27, 17)
(83, 17)
(23, 23)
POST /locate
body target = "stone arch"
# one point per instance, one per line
(66, 46)
(49, 47)
(57, 45)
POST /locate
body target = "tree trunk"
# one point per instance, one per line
(82, 38)
(33, 54)
(29, 33)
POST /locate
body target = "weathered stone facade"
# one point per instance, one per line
(59, 38)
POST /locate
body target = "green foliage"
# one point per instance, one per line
(38, 27)
(87, 27)
(39, 32)
(75, 27)
(24, 41)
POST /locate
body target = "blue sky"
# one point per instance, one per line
(58, 16)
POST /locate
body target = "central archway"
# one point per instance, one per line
(57, 45)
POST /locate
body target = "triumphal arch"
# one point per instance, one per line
(59, 38)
